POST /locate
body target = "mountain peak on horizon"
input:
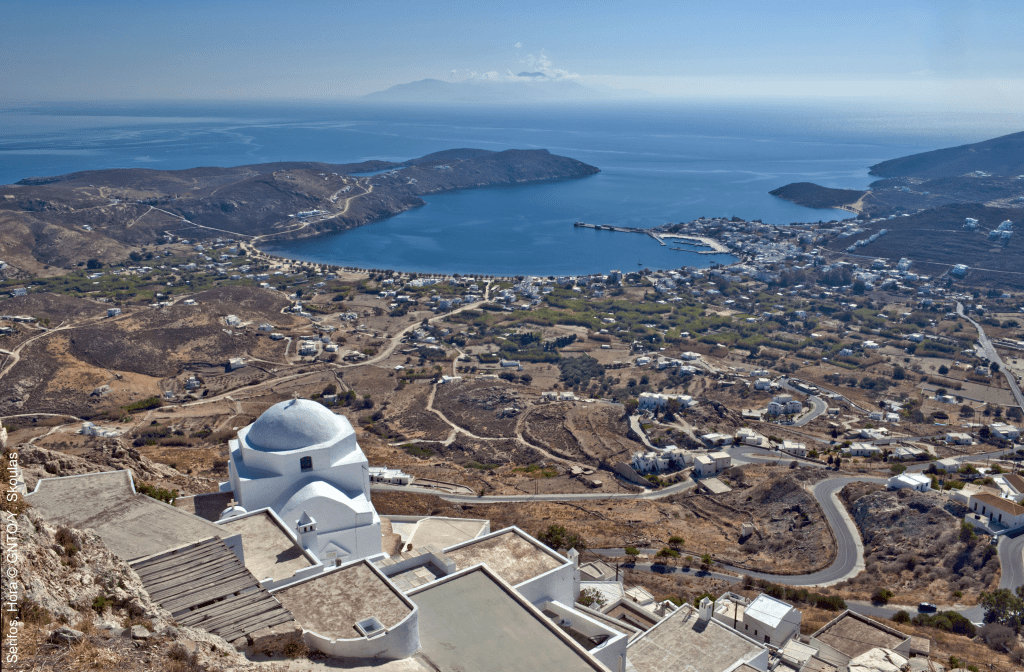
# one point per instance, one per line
(528, 87)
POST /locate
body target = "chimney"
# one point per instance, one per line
(704, 610)
(307, 532)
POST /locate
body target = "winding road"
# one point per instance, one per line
(993, 356)
(849, 560)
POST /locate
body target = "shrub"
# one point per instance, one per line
(591, 596)
(901, 616)
(418, 451)
(146, 404)
(998, 637)
(101, 602)
(30, 611)
(158, 493)
(827, 602)
(881, 596)
(948, 621)
(557, 537)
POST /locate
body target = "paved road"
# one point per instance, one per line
(634, 424)
(990, 352)
(560, 497)
(841, 396)
(1011, 559)
(818, 405)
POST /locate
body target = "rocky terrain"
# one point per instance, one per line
(938, 236)
(929, 195)
(84, 351)
(914, 546)
(104, 455)
(82, 608)
(1000, 156)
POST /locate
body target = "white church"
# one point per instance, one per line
(302, 461)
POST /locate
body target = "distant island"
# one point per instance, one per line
(526, 87)
(104, 214)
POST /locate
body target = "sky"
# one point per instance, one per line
(926, 51)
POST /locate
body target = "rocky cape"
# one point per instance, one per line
(988, 173)
(103, 214)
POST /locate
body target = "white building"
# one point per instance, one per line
(302, 461)
(748, 437)
(918, 482)
(113, 312)
(794, 448)
(652, 400)
(862, 450)
(1001, 511)
(770, 620)
(651, 462)
(1004, 431)
(711, 464)
(763, 384)
(958, 438)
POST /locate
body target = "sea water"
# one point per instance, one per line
(660, 162)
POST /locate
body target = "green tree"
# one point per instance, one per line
(632, 552)
(676, 542)
(1003, 606)
(706, 561)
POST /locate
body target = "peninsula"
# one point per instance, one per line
(104, 214)
(988, 173)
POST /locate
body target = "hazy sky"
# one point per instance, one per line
(102, 49)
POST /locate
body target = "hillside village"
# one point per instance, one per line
(627, 470)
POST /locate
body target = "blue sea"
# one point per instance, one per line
(659, 162)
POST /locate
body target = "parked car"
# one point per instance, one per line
(927, 608)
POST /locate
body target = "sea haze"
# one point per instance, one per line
(660, 163)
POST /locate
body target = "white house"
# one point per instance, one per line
(650, 462)
(763, 384)
(794, 448)
(653, 400)
(771, 621)
(958, 438)
(862, 450)
(711, 464)
(918, 482)
(1004, 431)
(1011, 485)
(997, 510)
(716, 439)
(302, 461)
(749, 437)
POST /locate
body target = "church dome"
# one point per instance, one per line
(294, 424)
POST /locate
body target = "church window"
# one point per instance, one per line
(306, 463)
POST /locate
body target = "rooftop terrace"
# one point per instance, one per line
(508, 554)
(331, 604)
(682, 641)
(471, 621)
(270, 552)
(131, 525)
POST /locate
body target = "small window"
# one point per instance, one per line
(306, 463)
